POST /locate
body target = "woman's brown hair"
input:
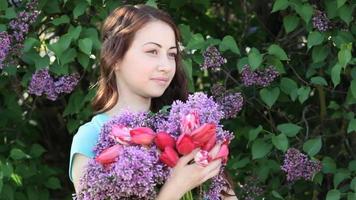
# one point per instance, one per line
(117, 34)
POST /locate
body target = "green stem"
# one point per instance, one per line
(188, 196)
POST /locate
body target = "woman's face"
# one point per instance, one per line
(149, 64)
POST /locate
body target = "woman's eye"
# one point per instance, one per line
(172, 55)
(153, 52)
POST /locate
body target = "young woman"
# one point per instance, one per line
(141, 70)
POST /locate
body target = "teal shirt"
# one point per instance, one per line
(86, 138)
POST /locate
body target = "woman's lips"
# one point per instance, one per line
(160, 80)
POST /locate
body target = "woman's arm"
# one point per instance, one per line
(79, 162)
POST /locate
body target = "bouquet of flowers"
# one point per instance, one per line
(136, 151)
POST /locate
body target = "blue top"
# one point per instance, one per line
(86, 138)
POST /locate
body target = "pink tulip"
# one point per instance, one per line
(223, 152)
(109, 155)
(190, 122)
(185, 144)
(210, 144)
(169, 156)
(202, 158)
(163, 140)
(142, 135)
(121, 134)
(203, 134)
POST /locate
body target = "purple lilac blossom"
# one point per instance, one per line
(231, 104)
(251, 190)
(298, 166)
(212, 59)
(66, 83)
(5, 41)
(321, 21)
(259, 77)
(217, 90)
(41, 79)
(218, 184)
(134, 176)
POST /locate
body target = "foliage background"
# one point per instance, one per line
(311, 106)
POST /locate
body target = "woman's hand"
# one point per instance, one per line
(186, 177)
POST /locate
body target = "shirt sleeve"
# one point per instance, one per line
(83, 142)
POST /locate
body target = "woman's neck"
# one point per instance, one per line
(133, 103)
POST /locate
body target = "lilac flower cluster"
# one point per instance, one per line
(208, 111)
(212, 59)
(134, 176)
(5, 41)
(231, 104)
(217, 90)
(127, 119)
(20, 25)
(259, 77)
(321, 21)
(18, 29)
(218, 184)
(251, 190)
(43, 83)
(298, 166)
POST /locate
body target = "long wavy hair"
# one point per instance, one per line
(117, 34)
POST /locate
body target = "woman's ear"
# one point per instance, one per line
(117, 66)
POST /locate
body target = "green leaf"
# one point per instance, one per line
(340, 3)
(10, 13)
(288, 85)
(319, 53)
(351, 196)
(352, 126)
(41, 62)
(344, 55)
(152, 3)
(318, 80)
(75, 103)
(335, 74)
(277, 195)
(18, 154)
(315, 38)
(53, 183)
(254, 58)
(353, 184)
(352, 166)
(74, 32)
(253, 133)
(37, 150)
(329, 165)
(353, 88)
(277, 51)
(83, 60)
(68, 56)
(269, 96)
(241, 163)
(279, 5)
(280, 142)
(29, 43)
(260, 149)
(79, 9)
(333, 195)
(345, 13)
(229, 43)
(3, 6)
(290, 22)
(340, 176)
(85, 45)
(17, 179)
(305, 11)
(64, 19)
(196, 42)
(289, 129)
(303, 93)
(312, 146)
(61, 45)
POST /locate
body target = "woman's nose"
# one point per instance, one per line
(165, 64)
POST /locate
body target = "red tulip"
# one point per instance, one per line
(142, 135)
(210, 144)
(109, 155)
(223, 153)
(185, 144)
(121, 134)
(190, 122)
(202, 158)
(203, 134)
(169, 156)
(163, 140)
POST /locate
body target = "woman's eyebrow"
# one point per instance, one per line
(173, 47)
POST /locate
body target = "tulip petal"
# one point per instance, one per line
(142, 135)
(202, 134)
(109, 155)
(185, 144)
(121, 134)
(163, 140)
(202, 158)
(223, 153)
(190, 122)
(210, 144)
(169, 156)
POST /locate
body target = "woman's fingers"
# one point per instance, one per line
(185, 159)
(215, 150)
